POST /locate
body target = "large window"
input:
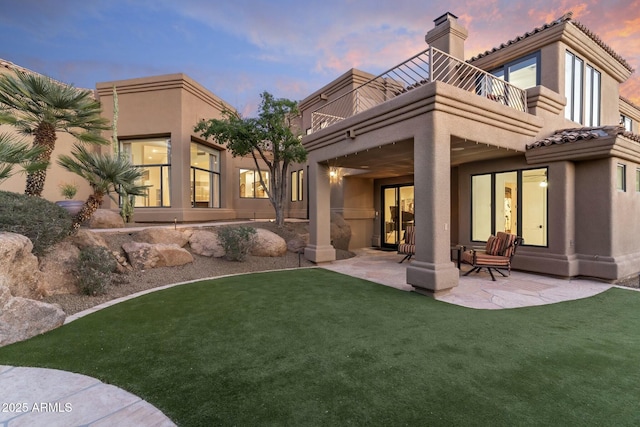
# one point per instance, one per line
(250, 185)
(514, 202)
(621, 177)
(297, 185)
(523, 72)
(592, 97)
(153, 155)
(582, 90)
(205, 176)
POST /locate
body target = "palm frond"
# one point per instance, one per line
(17, 152)
(105, 173)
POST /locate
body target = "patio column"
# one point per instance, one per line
(432, 272)
(319, 248)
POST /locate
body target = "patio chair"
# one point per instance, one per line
(408, 248)
(497, 255)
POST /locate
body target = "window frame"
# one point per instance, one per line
(256, 174)
(592, 97)
(503, 72)
(215, 180)
(583, 90)
(125, 145)
(519, 204)
(621, 178)
(297, 193)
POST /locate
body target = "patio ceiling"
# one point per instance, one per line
(396, 159)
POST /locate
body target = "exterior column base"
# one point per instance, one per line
(320, 253)
(432, 279)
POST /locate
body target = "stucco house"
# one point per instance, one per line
(525, 138)
(189, 179)
(531, 137)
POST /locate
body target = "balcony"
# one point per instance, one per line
(427, 66)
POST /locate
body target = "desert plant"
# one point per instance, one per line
(105, 173)
(42, 221)
(39, 106)
(236, 241)
(96, 269)
(68, 190)
(17, 152)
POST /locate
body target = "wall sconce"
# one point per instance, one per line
(333, 175)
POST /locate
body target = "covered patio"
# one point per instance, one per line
(473, 291)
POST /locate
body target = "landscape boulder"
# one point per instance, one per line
(206, 243)
(268, 244)
(84, 238)
(19, 267)
(58, 266)
(298, 243)
(172, 255)
(23, 318)
(104, 218)
(161, 235)
(143, 256)
(340, 232)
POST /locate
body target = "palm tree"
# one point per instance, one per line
(39, 106)
(105, 173)
(15, 152)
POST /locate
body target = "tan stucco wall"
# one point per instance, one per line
(171, 105)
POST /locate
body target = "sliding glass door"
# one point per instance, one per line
(397, 213)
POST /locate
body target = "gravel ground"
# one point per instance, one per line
(201, 268)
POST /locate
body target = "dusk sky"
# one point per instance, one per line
(239, 48)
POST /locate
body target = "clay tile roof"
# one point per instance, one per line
(11, 66)
(564, 18)
(628, 101)
(582, 134)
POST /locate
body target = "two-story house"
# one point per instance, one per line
(525, 138)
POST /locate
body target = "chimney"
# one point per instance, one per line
(448, 35)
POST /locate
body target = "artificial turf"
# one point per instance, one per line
(313, 347)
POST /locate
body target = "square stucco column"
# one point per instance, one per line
(319, 248)
(432, 272)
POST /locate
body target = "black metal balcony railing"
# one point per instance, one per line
(425, 67)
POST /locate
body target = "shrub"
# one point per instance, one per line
(68, 190)
(42, 221)
(95, 270)
(236, 241)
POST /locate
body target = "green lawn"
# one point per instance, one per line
(313, 347)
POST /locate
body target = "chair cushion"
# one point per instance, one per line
(410, 235)
(467, 256)
(484, 259)
(494, 245)
(491, 260)
(507, 241)
(404, 248)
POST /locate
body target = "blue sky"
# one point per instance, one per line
(239, 48)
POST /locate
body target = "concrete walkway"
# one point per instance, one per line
(48, 397)
(34, 397)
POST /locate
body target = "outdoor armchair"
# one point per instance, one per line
(408, 247)
(497, 255)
